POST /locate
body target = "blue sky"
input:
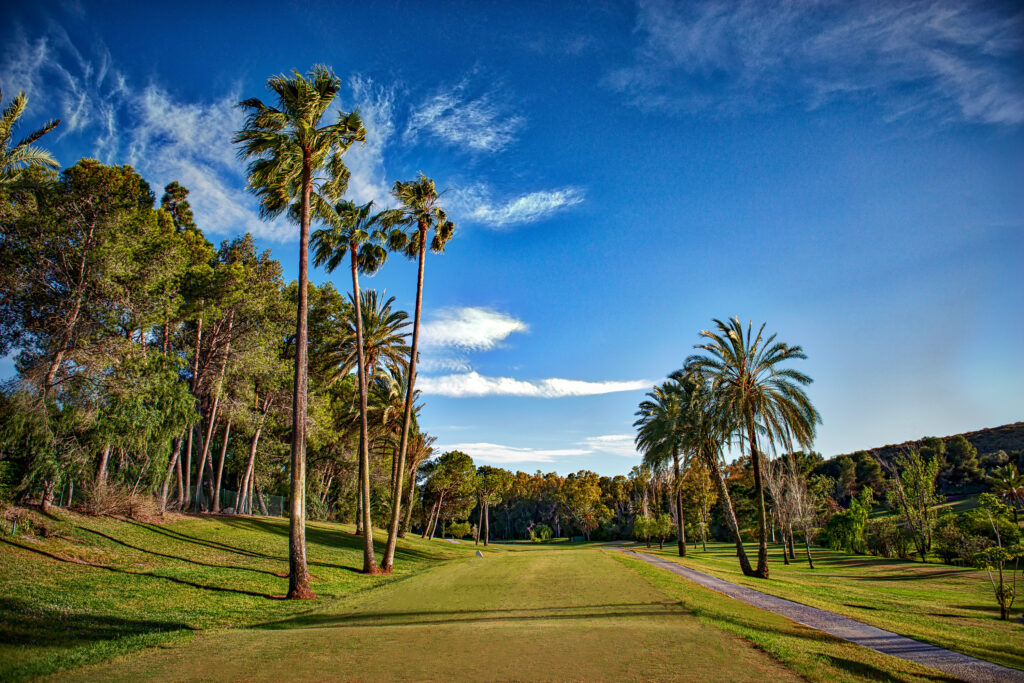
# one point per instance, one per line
(620, 174)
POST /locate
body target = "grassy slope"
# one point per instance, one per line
(948, 606)
(103, 586)
(555, 614)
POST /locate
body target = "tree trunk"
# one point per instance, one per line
(408, 501)
(188, 447)
(389, 552)
(785, 545)
(220, 467)
(259, 498)
(298, 573)
(807, 546)
(762, 519)
(430, 517)
(437, 518)
(680, 524)
(101, 471)
(730, 515)
(479, 525)
(369, 561)
(250, 468)
(792, 549)
(174, 463)
(487, 523)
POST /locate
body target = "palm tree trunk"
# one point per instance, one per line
(220, 466)
(680, 526)
(298, 573)
(389, 552)
(762, 518)
(369, 561)
(730, 514)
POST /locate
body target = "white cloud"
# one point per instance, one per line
(474, 384)
(941, 60)
(616, 444)
(475, 203)
(500, 455)
(376, 105)
(475, 124)
(469, 328)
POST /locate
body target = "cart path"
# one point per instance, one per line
(956, 664)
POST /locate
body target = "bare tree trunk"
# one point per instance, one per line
(175, 462)
(101, 471)
(263, 505)
(408, 501)
(487, 523)
(437, 518)
(479, 525)
(792, 551)
(220, 466)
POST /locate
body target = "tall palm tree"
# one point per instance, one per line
(357, 232)
(420, 211)
(660, 436)
(763, 398)
(706, 432)
(14, 159)
(292, 159)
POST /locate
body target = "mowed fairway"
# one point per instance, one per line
(513, 615)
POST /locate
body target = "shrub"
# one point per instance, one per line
(542, 532)
(845, 530)
(954, 544)
(885, 538)
(460, 529)
(114, 499)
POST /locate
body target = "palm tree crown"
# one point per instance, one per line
(14, 159)
(756, 396)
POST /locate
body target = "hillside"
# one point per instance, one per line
(1009, 437)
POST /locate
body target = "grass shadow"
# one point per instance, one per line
(120, 570)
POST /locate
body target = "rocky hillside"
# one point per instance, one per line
(1005, 438)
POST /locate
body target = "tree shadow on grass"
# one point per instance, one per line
(375, 619)
(176, 557)
(120, 570)
(23, 623)
(873, 673)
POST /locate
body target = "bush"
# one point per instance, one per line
(885, 538)
(117, 500)
(542, 532)
(460, 529)
(954, 544)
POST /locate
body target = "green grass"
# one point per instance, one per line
(951, 607)
(815, 656)
(556, 615)
(97, 587)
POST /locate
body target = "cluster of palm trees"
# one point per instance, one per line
(735, 393)
(296, 167)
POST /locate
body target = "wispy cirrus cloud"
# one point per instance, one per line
(465, 384)
(471, 328)
(476, 203)
(498, 454)
(935, 59)
(168, 138)
(616, 444)
(472, 122)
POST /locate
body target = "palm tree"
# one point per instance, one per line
(14, 160)
(419, 208)
(706, 432)
(358, 233)
(1008, 483)
(660, 433)
(292, 159)
(749, 386)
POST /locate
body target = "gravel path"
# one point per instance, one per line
(955, 664)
